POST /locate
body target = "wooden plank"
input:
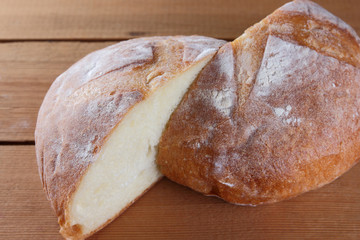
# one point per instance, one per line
(24, 210)
(123, 19)
(27, 70)
(170, 211)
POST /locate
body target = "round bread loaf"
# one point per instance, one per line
(274, 114)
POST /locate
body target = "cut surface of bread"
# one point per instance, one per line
(125, 166)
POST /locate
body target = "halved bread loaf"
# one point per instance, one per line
(274, 114)
(101, 121)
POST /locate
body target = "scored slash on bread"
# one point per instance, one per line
(261, 119)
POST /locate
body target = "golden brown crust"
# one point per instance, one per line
(87, 101)
(274, 114)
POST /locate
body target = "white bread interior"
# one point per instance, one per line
(125, 166)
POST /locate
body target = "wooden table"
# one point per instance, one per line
(40, 39)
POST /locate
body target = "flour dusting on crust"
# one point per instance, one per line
(288, 123)
(312, 9)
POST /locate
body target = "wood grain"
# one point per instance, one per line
(170, 211)
(123, 19)
(27, 70)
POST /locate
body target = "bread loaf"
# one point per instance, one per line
(100, 123)
(274, 114)
(263, 118)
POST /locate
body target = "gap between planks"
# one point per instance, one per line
(17, 143)
(82, 40)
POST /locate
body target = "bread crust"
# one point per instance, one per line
(86, 102)
(274, 114)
